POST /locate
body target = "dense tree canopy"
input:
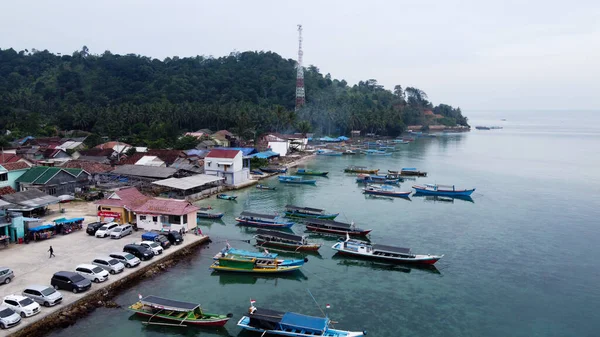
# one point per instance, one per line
(149, 101)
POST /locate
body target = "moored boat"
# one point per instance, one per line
(446, 190)
(387, 191)
(335, 227)
(409, 171)
(265, 187)
(183, 313)
(264, 259)
(291, 324)
(307, 212)
(382, 252)
(377, 179)
(360, 169)
(262, 220)
(274, 169)
(376, 153)
(265, 237)
(331, 153)
(296, 180)
(224, 196)
(245, 264)
(207, 213)
(304, 172)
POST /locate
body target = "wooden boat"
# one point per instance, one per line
(245, 264)
(262, 220)
(281, 323)
(330, 153)
(387, 191)
(349, 153)
(401, 141)
(226, 196)
(482, 128)
(206, 213)
(283, 240)
(257, 172)
(360, 169)
(265, 187)
(334, 227)
(445, 190)
(376, 179)
(296, 180)
(307, 212)
(262, 259)
(274, 169)
(184, 313)
(376, 153)
(382, 253)
(303, 172)
(409, 171)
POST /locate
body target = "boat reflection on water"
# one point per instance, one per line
(330, 237)
(442, 199)
(361, 262)
(239, 278)
(166, 330)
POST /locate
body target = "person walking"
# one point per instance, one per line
(51, 252)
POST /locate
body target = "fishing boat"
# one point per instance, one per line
(376, 153)
(267, 321)
(292, 211)
(445, 190)
(401, 141)
(330, 153)
(360, 169)
(257, 172)
(274, 169)
(409, 171)
(304, 172)
(265, 237)
(207, 213)
(262, 259)
(296, 180)
(265, 187)
(349, 153)
(377, 179)
(226, 196)
(262, 220)
(184, 313)
(246, 264)
(387, 191)
(382, 252)
(482, 128)
(335, 227)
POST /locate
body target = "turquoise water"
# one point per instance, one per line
(520, 260)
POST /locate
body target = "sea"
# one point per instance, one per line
(519, 257)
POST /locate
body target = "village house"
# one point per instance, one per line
(222, 138)
(10, 156)
(228, 165)
(54, 180)
(12, 171)
(119, 206)
(166, 214)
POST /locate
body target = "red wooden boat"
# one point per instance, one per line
(335, 227)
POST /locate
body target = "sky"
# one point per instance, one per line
(479, 55)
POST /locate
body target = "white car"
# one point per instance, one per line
(120, 231)
(127, 259)
(154, 246)
(105, 230)
(92, 273)
(109, 264)
(22, 305)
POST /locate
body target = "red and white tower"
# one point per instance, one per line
(300, 100)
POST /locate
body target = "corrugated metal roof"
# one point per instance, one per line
(145, 171)
(32, 198)
(188, 182)
(32, 175)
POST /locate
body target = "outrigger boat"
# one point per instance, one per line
(360, 169)
(296, 180)
(382, 252)
(274, 169)
(330, 153)
(387, 191)
(262, 259)
(226, 196)
(409, 171)
(376, 179)
(445, 190)
(246, 264)
(304, 172)
(292, 211)
(206, 213)
(265, 187)
(278, 239)
(334, 227)
(262, 220)
(377, 153)
(282, 323)
(176, 311)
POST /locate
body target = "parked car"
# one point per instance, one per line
(92, 273)
(8, 317)
(24, 306)
(70, 281)
(120, 231)
(127, 259)
(92, 227)
(45, 295)
(106, 229)
(157, 237)
(138, 251)
(109, 264)
(6, 275)
(174, 237)
(154, 246)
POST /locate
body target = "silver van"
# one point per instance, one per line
(120, 231)
(6, 275)
(45, 295)
(109, 264)
(8, 317)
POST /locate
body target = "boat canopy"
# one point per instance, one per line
(306, 209)
(166, 304)
(258, 215)
(391, 249)
(278, 234)
(294, 320)
(409, 169)
(329, 223)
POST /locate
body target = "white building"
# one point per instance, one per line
(228, 165)
(278, 144)
(151, 161)
(167, 215)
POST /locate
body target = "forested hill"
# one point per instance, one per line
(148, 100)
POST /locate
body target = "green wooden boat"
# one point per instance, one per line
(303, 172)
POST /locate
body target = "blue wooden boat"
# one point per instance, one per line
(262, 220)
(274, 169)
(265, 187)
(226, 196)
(377, 153)
(264, 258)
(328, 153)
(445, 190)
(296, 180)
(377, 179)
(307, 212)
(206, 213)
(290, 324)
(387, 191)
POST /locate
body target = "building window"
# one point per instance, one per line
(142, 217)
(3, 176)
(176, 219)
(52, 191)
(185, 218)
(106, 208)
(154, 219)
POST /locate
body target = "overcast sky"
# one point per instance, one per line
(473, 54)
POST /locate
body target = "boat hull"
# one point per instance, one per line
(423, 259)
(288, 246)
(389, 194)
(226, 197)
(210, 216)
(303, 182)
(361, 171)
(212, 322)
(338, 231)
(311, 216)
(463, 193)
(245, 321)
(263, 224)
(318, 174)
(278, 270)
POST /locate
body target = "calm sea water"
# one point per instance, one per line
(520, 260)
